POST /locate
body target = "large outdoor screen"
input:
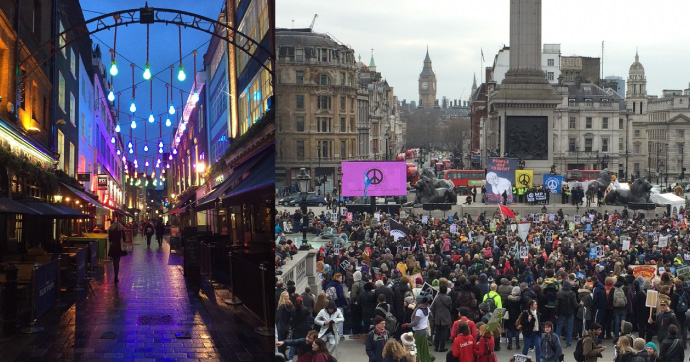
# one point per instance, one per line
(382, 178)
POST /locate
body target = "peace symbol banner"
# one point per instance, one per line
(524, 178)
(553, 183)
(382, 178)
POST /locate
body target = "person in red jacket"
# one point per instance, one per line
(463, 345)
(484, 346)
(463, 318)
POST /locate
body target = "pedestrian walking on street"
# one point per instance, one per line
(551, 349)
(116, 236)
(590, 349)
(529, 321)
(328, 318)
(148, 231)
(440, 309)
(160, 230)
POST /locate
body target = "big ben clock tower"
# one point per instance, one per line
(427, 84)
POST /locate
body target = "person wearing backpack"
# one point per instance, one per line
(680, 303)
(587, 349)
(440, 310)
(376, 340)
(493, 299)
(619, 297)
(385, 311)
(549, 296)
(671, 348)
(566, 305)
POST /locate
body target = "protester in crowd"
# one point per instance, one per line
(394, 351)
(590, 349)
(440, 310)
(321, 352)
(376, 340)
(664, 320)
(512, 305)
(419, 325)
(624, 351)
(566, 305)
(484, 347)
(530, 323)
(463, 344)
(303, 346)
(550, 344)
(671, 348)
(328, 319)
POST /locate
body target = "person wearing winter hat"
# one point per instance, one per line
(512, 305)
(566, 306)
(407, 340)
(355, 305)
(376, 340)
(652, 351)
(328, 318)
(419, 325)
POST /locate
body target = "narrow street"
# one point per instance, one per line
(151, 315)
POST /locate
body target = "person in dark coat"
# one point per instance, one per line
(671, 348)
(440, 310)
(368, 301)
(160, 230)
(382, 289)
(300, 319)
(599, 303)
(512, 305)
(116, 235)
(376, 340)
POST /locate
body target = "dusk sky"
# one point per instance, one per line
(456, 31)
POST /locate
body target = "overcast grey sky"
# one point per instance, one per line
(455, 31)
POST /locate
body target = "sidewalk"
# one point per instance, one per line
(151, 315)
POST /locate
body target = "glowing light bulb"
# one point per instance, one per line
(112, 139)
(180, 75)
(169, 157)
(146, 148)
(151, 119)
(147, 71)
(129, 144)
(160, 144)
(171, 109)
(126, 168)
(132, 107)
(131, 150)
(183, 126)
(167, 165)
(174, 151)
(158, 165)
(113, 68)
(147, 163)
(111, 95)
(195, 97)
(117, 128)
(155, 182)
(160, 150)
(177, 139)
(147, 183)
(119, 152)
(167, 122)
(134, 124)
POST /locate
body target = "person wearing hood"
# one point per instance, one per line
(551, 349)
(671, 348)
(584, 310)
(566, 305)
(355, 305)
(504, 289)
(329, 318)
(512, 305)
(599, 303)
(483, 285)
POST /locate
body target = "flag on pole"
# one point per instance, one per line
(505, 210)
(398, 230)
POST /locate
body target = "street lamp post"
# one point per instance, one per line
(577, 156)
(340, 188)
(303, 183)
(666, 169)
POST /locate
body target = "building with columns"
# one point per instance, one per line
(427, 84)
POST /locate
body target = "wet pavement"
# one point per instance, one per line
(151, 315)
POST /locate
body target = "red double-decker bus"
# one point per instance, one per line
(582, 175)
(465, 180)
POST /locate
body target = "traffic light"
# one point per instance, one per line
(165, 202)
(682, 174)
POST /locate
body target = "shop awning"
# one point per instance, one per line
(43, 209)
(86, 197)
(207, 202)
(181, 204)
(9, 206)
(262, 176)
(71, 213)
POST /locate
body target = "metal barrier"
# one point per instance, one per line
(263, 330)
(252, 290)
(233, 300)
(43, 292)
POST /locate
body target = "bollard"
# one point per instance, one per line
(32, 327)
(263, 330)
(233, 300)
(9, 301)
(59, 303)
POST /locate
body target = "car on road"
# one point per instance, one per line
(285, 200)
(312, 200)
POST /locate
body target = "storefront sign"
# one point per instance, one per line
(102, 182)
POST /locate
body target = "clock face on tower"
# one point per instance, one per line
(425, 85)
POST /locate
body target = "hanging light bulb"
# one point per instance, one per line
(129, 145)
(195, 97)
(117, 128)
(160, 150)
(170, 157)
(160, 144)
(119, 152)
(183, 126)
(155, 182)
(126, 168)
(147, 71)
(153, 173)
(180, 74)
(146, 149)
(177, 139)
(112, 139)
(158, 165)
(151, 119)
(167, 122)
(131, 150)
(171, 109)
(167, 165)
(147, 183)
(147, 163)
(174, 151)
(113, 68)
(111, 95)
(132, 107)
(134, 123)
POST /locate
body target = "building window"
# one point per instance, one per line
(324, 149)
(636, 168)
(571, 144)
(549, 62)
(636, 149)
(299, 101)
(588, 122)
(605, 123)
(352, 124)
(72, 109)
(324, 80)
(604, 145)
(323, 124)
(73, 62)
(299, 55)
(549, 75)
(620, 123)
(300, 150)
(342, 104)
(324, 102)
(299, 77)
(323, 55)
(342, 150)
(342, 124)
(637, 133)
(63, 40)
(588, 144)
(681, 133)
(588, 103)
(61, 92)
(299, 124)
(342, 78)
(620, 144)
(571, 123)
(571, 102)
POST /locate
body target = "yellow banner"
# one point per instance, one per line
(646, 271)
(523, 178)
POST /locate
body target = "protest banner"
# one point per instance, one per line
(652, 296)
(663, 241)
(646, 271)
(495, 320)
(523, 230)
(524, 252)
(425, 219)
(625, 241)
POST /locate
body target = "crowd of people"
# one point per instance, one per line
(573, 282)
